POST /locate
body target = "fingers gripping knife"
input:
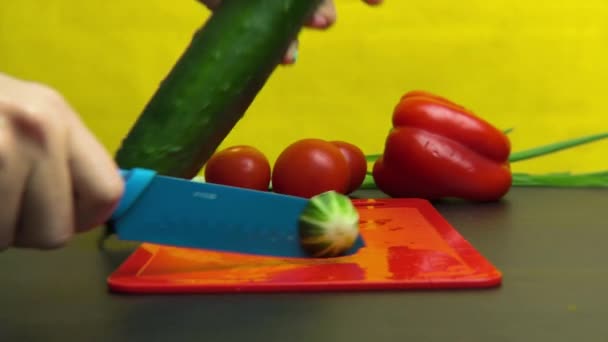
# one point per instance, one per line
(178, 212)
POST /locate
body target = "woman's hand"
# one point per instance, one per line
(56, 179)
(323, 18)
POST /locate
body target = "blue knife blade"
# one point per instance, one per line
(177, 212)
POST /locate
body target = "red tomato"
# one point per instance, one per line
(356, 161)
(309, 167)
(241, 166)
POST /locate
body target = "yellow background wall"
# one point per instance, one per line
(539, 66)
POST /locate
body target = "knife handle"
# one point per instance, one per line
(136, 181)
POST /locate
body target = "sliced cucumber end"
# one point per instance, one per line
(328, 225)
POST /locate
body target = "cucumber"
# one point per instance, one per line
(212, 84)
(328, 225)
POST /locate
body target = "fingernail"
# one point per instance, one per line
(294, 55)
(319, 20)
(291, 56)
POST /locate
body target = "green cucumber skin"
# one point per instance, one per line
(212, 85)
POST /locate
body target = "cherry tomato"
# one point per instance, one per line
(356, 161)
(241, 166)
(309, 167)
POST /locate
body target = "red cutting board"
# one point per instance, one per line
(409, 245)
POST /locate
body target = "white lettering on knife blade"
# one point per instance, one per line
(204, 195)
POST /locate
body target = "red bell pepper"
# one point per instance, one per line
(440, 149)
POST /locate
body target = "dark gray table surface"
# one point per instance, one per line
(549, 243)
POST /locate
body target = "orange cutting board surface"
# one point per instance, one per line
(409, 245)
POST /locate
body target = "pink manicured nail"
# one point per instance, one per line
(319, 20)
(291, 57)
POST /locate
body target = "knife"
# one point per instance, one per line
(183, 213)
